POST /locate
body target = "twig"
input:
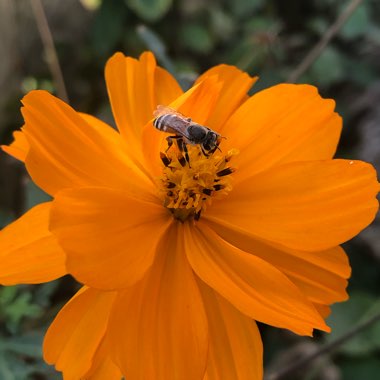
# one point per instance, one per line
(328, 348)
(49, 48)
(323, 42)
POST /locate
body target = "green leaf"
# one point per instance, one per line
(361, 368)
(197, 38)
(34, 195)
(357, 24)
(345, 316)
(15, 306)
(108, 26)
(328, 68)
(149, 10)
(244, 7)
(27, 345)
(155, 44)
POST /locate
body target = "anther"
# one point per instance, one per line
(207, 191)
(225, 172)
(171, 185)
(182, 161)
(165, 159)
(218, 187)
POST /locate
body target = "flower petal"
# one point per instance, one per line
(74, 336)
(284, 123)
(135, 87)
(321, 276)
(166, 87)
(29, 253)
(102, 365)
(19, 147)
(235, 348)
(236, 84)
(66, 151)
(109, 238)
(158, 328)
(197, 103)
(253, 286)
(307, 206)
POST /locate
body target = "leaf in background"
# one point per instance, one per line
(197, 38)
(361, 369)
(345, 316)
(244, 7)
(5, 218)
(155, 44)
(357, 24)
(328, 68)
(149, 10)
(108, 26)
(28, 345)
(15, 306)
(34, 195)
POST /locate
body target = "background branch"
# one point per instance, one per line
(49, 49)
(328, 348)
(324, 41)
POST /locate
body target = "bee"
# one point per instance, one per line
(185, 131)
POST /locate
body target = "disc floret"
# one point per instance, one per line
(187, 188)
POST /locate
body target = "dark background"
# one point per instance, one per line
(266, 38)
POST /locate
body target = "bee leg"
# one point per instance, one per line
(183, 148)
(169, 139)
(205, 153)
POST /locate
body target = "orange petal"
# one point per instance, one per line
(135, 87)
(235, 85)
(109, 238)
(130, 84)
(284, 123)
(102, 365)
(66, 151)
(197, 103)
(19, 147)
(158, 327)
(235, 348)
(309, 206)
(29, 253)
(253, 286)
(323, 310)
(73, 338)
(321, 276)
(166, 87)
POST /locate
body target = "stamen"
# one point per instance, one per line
(189, 184)
(224, 172)
(165, 159)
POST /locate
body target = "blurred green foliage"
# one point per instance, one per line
(266, 38)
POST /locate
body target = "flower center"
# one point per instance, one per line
(189, 182)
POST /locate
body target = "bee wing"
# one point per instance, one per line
(162, 110)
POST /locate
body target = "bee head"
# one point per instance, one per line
(212, 141)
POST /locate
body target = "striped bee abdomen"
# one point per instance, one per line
(163, 122)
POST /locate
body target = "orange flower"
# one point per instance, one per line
(178, 255)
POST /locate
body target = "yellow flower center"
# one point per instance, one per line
(188, 186)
